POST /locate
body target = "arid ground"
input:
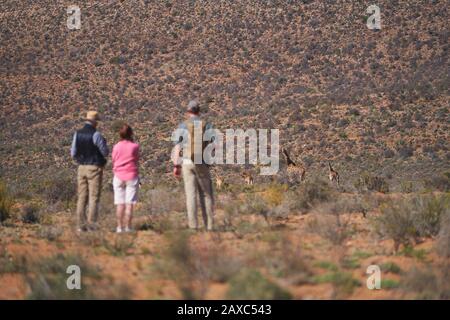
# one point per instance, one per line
(310, 242)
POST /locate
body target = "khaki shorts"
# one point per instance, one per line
(125, 192)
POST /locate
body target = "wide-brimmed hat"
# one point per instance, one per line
(93, 116)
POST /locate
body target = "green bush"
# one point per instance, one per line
(391, 267)
(389, 284)
(350, 262)
(327, 265)
(343, 282)
(252, 285)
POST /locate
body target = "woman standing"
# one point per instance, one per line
(125, 158)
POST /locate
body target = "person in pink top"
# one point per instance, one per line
(125, 158)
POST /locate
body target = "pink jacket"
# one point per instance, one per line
(125, 157)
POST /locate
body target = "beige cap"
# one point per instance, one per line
(93, 115)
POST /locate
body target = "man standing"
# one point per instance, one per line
(196, 174)
(89, 149)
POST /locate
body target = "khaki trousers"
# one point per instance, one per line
(89, 188)
(197, 181)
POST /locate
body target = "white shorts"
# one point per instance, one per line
(125, 192)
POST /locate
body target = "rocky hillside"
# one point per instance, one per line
(367, 100)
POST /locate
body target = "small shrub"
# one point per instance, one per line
(285, 259)
(368, 182)
(350, 262)
(407, 220)
(46, 278)
(409, 251)
(217, 265)
(432, 284)
(329, 222)
(30, 213)
(92, 239)
(11, 264)
(389, 284)
(254, 204)
(391, 267)
(405, 151)
(274, 194)
(161, 200)
(388, 153)
(50, 233)
(396, 223)
(117, 60)
(5, 203)
(326, 265)
(179, 263)
(429, 211)
(120, 245)
(311, 193)
(343, 282)
(333, 228)
(250, 284)
(158, 224)
(344, 205)
(443, 241)
(117, 125)
(441, 183)
(407, 186)
(362, 254)
(60, 188)
(243, 228)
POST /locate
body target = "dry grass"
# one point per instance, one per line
(408, 220)
(5, 203)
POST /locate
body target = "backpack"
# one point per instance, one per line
(195, 143)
